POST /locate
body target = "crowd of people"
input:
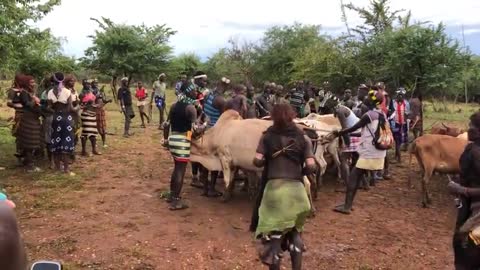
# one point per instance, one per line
(55, 119)
(50, 120)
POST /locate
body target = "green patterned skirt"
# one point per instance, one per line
(179, 145)
(284, 206)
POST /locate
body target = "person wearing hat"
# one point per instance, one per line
(125, 100)
(370, 158)
(399, 110)
(159, 97)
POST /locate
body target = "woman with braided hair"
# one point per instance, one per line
(63, 138)
(283, 206)
(370, 158)
(29, 129)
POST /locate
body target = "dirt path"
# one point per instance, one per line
(115, 220)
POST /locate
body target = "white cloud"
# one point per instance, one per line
(204, 26)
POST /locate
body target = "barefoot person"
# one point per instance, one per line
(182, 115)
(125, 100)
(399, 111)
(101, 101)
(370, 158)
(30, 128)
(89, 123)
(284, 206)
(63, 139)
(159, 97)
(69, 83)
(14, 101)
(214, 106)
(141, 95)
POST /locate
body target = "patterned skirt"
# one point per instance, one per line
(89, 123)
(29, 130)
(179, 145)
(62, 133)
(101, 121)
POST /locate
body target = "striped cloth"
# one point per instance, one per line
(212, 112)
(16, 121)
(353, 147)
(101, 121)
(89, 123)
(179, 145)
(29, 130)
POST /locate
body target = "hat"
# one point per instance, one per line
(375, 96)
(161, 75)
(124, 79)
(94, 81)
(200, 74)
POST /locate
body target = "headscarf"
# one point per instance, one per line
(58, 78)
(375, 97)
(186, 89)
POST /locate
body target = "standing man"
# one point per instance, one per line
(183, 118)
(297, 99)
(159, 95)
(213, 107)
(347, 99)
(181, 80)
(360, 108)
(263, 101)
(251, 106)
(239, 101)
(125, 100)
(416, 114)
(399, 111)
(141, 94)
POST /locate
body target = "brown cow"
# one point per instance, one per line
(436, 153)
(446, 130)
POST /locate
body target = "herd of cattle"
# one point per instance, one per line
(231, 145)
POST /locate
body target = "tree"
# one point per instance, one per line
(44, 56)
(16, 31)
(279, 48)
(128, 50)
(185, 63)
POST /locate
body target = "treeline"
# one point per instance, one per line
(387, 47)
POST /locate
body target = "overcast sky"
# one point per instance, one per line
(204, 26)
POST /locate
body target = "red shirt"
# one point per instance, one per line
(141, 93)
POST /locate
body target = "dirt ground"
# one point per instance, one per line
(110, 216)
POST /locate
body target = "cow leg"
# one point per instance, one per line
(333, 150)
(426, 178)
(252, 184)
(308, 187)
(227, 178)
